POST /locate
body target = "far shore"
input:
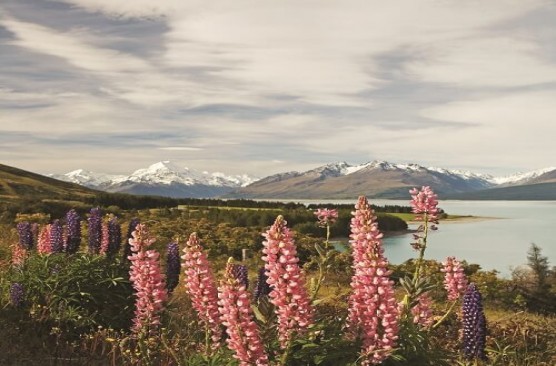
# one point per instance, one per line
(462, 219)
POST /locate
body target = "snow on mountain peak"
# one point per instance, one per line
(521, 177)
(85, 177)
(161, 173)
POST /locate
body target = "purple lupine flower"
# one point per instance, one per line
(25, 235)
(173, 267)
(262, 288)
(474, 324)
(56, 237)
(239, 272)
(73, 222)
(35, 231)
(95, 230)
(17, 294)
(114, 236)
(131, 228)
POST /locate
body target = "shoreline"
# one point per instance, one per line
(462, 219)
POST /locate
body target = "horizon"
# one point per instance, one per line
(113, 86)
(205, 172)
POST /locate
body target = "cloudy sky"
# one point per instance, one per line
(262, 86)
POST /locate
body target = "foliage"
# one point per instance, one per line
(534, 287)
(75, 292)
(79, 307)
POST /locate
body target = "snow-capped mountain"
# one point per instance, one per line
(166, 172)
(522, 178)
(163, 178)
(379, 179)
(86, 178)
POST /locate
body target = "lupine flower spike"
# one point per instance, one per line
(455, 281)
(474, 324)
(56, 237)
(104, 238)
(373, 311)
(424, 205)
(43, 244)
(19, 254)
(172, 266)
(17, 294)
(148, 282)
(74, 232)
(288, 294)
(326, 216)
(422, 311)
(130, 229)
(25, 235)
(114, 236)
(236, 315)
(239, 271)
(262, 288)
(201, 287)
(95, 230)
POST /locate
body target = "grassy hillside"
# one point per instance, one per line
(25, 192)
(17, 184)
(530, 192)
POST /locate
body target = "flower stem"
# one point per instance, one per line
(445, 315)
(422, 248)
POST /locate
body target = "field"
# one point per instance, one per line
(78, 307)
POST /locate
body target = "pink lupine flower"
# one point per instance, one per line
(424, 202)
(326, 216)
(43, 244)
(236, 315)
(288, 294)
(201, 287)
(19, 254)
(148, 282)
(455, 281)
(422, 311)
(105, 238)
(373, 310)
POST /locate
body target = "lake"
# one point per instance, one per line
(499, 243)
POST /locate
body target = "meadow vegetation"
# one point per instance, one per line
(310, 305)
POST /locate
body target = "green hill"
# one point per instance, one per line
(25, 192)
(17, 185)
(529, 192)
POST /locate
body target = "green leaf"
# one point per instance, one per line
(260, 317)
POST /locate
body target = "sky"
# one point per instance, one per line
(261, 87)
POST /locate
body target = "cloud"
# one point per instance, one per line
(238, 85)
(514, 129)
(180, 148)
(485, 62)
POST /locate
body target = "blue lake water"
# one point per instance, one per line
(500, 243)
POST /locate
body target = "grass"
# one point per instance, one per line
(198, 207)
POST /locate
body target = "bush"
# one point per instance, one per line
(76, 292)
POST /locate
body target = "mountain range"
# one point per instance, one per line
(381, 179)
(161, 179)
(377, 179)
